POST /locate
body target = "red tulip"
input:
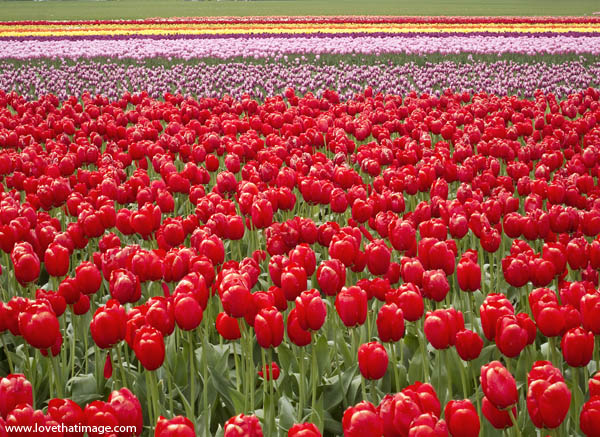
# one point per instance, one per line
(25, 416)
(412, 271)
(594, 384)
(428, 424)
(378, 257)
(361, 211)
(493, 307)
(300, 337)
(435, 285)
(15, 389)
(468, 344)
(108, 367)
(390, 323)
(409, 300)
(304, 256)
(293, 281)
(345, 248)
(26, 263)
(441, 327)
(56, 260)
(397, 413)
(268, 325)
(125, 286)
(351, 306)
(109, 324)
(462, 419)
(160, 315)
(127, 408)
(178, 426)
(243, 426)
(425, 397)
(511, 337)
(590, 312)
(331, 276)
(500, 419)
(311, 310)
(262, 213)
(188, 312)
(372, 360)
(82, 306)
(272, 368)
(498, 385)
(39, 325)
(68, 413)
(516, 270)
(228, 327)
(100, 415)
(548, 398)
(362, 420)
(577, 347)
(149, 347)
(304, 430)
(69, 290)
(589, 418)
(468, 272)
(236, 297)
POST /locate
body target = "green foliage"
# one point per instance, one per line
(132, 9)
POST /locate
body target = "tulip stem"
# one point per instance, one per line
(395, 366)
(171, 392)
(597, 352)
(448, 357)
(73, 340)
(251, 369)
(99, 376)
(514, 422)
(578, 392)
(85, 343)
(463, 378)
(64, 370)
(475, 326)
(237, 367)
(57, 374)
(265, 371)
(30, 371)
(155, 394)
(248, 369)
(338, 365)
(301, 380)
(271, 399)
(10, 362)
(476, 388)
(121, 368)
(363, 389)
(314, 377)
(439, 381)
(207, 411)
(373, 390)
(368, 325)
(192, 374)
(425, 358)
(151, 413)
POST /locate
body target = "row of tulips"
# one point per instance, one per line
(267, 47)
(283, 28)
(400, 76)
(120, 415)
(372, 19)
(286, 260)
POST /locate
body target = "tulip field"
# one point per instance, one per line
(311, 226)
